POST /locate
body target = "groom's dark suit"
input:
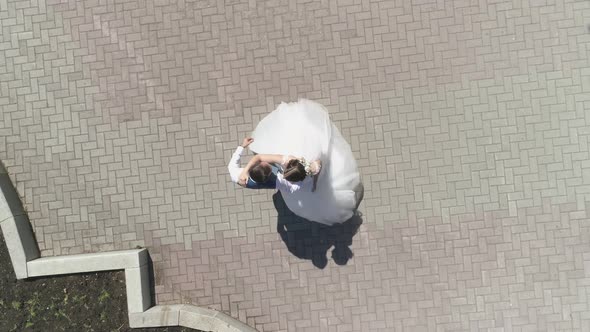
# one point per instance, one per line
(271, 182)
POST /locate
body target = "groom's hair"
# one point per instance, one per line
(260, 173)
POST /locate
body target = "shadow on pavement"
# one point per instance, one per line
(310, 240)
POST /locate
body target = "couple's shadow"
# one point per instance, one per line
(311, 240)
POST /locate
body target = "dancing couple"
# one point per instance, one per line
(301, 153)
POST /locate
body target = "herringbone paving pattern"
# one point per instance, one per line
(470, 121)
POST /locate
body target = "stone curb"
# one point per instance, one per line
(187, 315)
(26, 261)
(15, 225)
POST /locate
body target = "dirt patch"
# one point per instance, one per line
(81, 302)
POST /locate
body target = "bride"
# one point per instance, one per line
(328, 189)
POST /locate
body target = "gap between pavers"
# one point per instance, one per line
(26, 261)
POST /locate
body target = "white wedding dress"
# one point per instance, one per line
(304, 129)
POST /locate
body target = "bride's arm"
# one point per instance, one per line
(269, 158)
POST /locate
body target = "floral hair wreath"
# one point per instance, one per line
(307, 165)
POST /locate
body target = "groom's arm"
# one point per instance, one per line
(234, 165)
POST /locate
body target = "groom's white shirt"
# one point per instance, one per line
(283, 185)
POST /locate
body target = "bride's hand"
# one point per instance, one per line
(316, 167)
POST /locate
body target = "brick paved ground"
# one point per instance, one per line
(469, 120)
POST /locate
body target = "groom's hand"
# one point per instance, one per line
(243, 180)
(247, 141)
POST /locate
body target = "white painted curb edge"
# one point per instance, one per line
(26, 261)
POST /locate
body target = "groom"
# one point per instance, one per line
(261, 176)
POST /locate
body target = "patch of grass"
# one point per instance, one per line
(16, 305)
(79, 298)
(32, 307)
(104, 295)
(61, 313)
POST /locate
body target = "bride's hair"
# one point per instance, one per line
(295, 171)
(260, 173)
